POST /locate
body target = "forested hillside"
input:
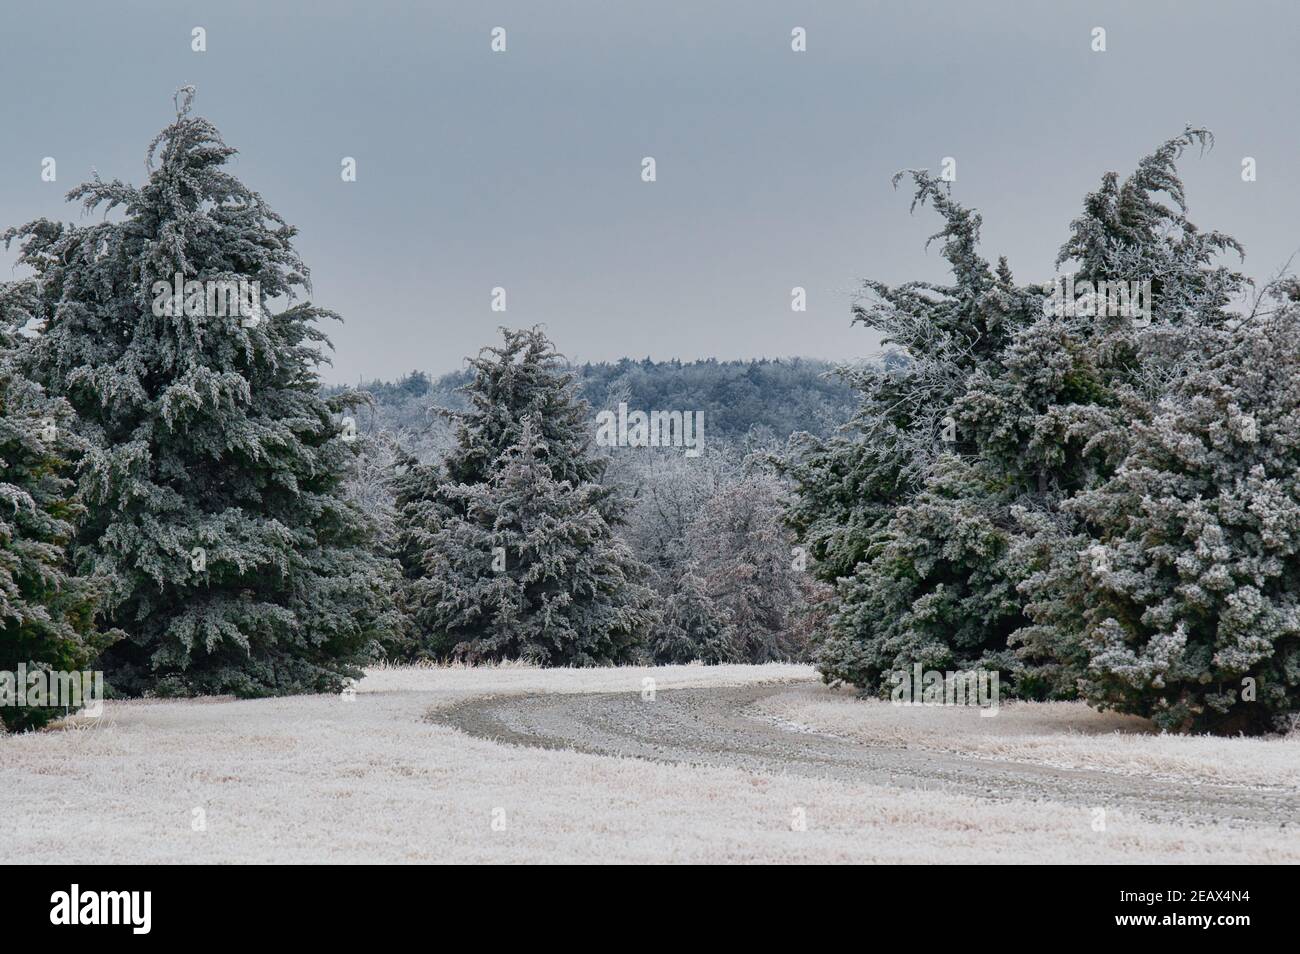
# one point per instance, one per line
(764, 399)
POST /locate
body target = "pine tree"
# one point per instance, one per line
(524, 377)
(422, 509)
(894, 509)
(693, 627)
(46, 613)
(1187, 592)
(958, 569)
(525, 566)
(1059, 420)
(215, 469)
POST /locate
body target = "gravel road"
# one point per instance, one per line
(717, 727)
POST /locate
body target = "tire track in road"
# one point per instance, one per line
(712, 727)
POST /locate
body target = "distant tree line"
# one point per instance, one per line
(758, 399)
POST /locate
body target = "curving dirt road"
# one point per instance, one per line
(713, 727)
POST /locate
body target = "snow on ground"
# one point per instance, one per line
(1061, 734)
(451, 683)
(326, 779)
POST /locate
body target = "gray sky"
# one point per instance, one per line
(523, 169)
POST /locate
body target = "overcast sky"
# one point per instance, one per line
(523, 169)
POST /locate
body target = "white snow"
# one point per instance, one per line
(322, 779)
(1062, 734)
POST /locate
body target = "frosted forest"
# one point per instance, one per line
(1100, 503)
(764, 432)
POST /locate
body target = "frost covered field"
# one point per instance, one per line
(377, 779)
(1060, 734)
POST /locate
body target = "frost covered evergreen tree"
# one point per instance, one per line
(957, 569)
(1187, 591)
(523, 377)
(214, 472)
(422, 509)
(1059, 420)
(569, 593)
(895, 509)
(46, 612)
(524, 566)
(693, 628)
(935, 336)
(937, 590)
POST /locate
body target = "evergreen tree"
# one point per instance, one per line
(958, 567)
(894, 509)
(1186, 593)
(935, 336)
(214, 473)
(937, 590)
(46, 613)
(693, 627)
(422, 508)
(524, 377)
(1059, 420)
(525, 566)
(522, 380)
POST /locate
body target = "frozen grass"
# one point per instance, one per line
(458, 682)
(323, 779)
(1062, 734)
